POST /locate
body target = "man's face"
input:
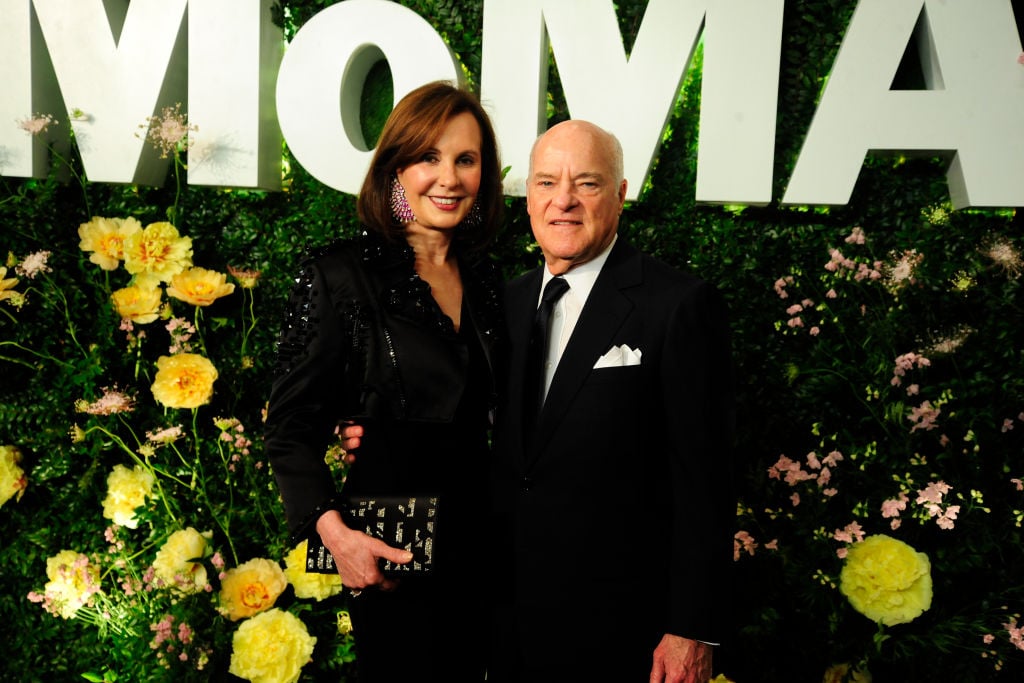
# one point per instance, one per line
(573, 195)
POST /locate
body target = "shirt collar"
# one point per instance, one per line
(581, 278)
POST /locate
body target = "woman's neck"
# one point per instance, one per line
(432, 247)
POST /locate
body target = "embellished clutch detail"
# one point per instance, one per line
(403, 522)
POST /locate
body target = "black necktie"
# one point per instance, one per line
(533, 386)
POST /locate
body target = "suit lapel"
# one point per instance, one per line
(602, 316)
(520, 303)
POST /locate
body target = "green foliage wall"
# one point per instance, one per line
(947, 288)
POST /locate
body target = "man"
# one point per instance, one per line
(614, 504)
(614, 508)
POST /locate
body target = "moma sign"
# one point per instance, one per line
(115, 63)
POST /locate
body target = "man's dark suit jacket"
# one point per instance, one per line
(615, 517)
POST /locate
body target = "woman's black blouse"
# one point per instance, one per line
(364, 340)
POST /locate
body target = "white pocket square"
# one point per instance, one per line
(619, 356)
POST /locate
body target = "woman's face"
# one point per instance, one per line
(442, 186)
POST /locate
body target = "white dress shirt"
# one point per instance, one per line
(567, 309)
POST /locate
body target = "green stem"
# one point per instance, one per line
(81, 181)
(141, 463)
(37, 354)
(9, 315)
(247, 330)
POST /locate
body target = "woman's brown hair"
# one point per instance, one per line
(412, 128)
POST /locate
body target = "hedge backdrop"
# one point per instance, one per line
(878, 354)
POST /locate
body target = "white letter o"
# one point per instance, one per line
(322, 75)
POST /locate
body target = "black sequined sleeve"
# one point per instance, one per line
(304, 400)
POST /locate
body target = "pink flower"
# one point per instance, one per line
(784, 464)
(812, 461)
(913, 390)
(856, 236)
(795, 322)
(217, 560)
(790, 470)
(906, 362)
(833, 458)
(924, 416)
(893, 506)
(780, 286)
(946, 519)
(1016, 633)
(743, 541)
(37, 124)
(933, 493)
(852, 533)
(824, 477)
(1018, 483)
(795, 499)
(1007, 425)
(831, 294)
(794, 309)
(814, 331)
(772, 544)
(33, 264)
(110, 403)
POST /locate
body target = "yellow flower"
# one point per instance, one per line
(886, 580)
(272, 647)
(72, 583)
(184, 380)
(199, 286)
(137, 303)
(344, 623)
(720, 678)
(127, 489)
(105, 237)
(316, 586)
(157, 250)
(250, 588)
(6, 285)
(12, 477)
(246, 278)
(175, 564)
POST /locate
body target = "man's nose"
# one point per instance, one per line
(565, 198)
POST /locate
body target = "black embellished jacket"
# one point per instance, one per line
(364, 340)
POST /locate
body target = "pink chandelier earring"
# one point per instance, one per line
(400, 209)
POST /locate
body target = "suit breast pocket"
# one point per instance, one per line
(625, 374)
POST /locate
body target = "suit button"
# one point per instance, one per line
(526, 483)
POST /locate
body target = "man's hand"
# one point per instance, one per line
(350, 439)
(681, 660)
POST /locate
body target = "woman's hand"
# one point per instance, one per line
(356, 554)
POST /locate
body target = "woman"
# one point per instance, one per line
(396, 330)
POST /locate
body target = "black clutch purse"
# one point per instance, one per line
(402, 522)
